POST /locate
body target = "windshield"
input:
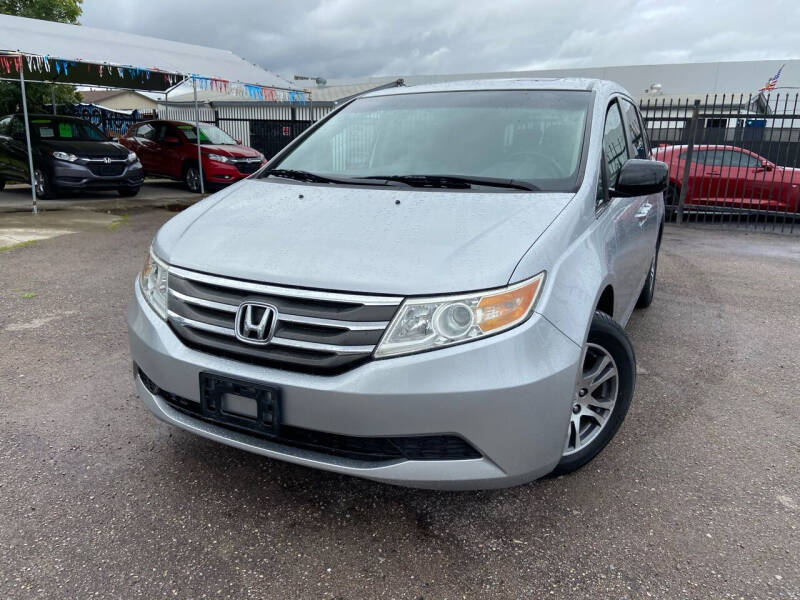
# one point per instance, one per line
(66, 129)
(209, 134)
(532, 136)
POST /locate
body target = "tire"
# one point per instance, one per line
(671, 197)
(43, 184)
(191, 177)
(649, 289)
(608, 401)
(128, 192)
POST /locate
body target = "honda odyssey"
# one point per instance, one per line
(428, 287)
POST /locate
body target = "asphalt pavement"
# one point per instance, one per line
(698, 496)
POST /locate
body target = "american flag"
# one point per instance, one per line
(772, 81)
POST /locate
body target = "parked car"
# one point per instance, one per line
(68, 154)
(169, 149)
(429, 287)
(729, 179)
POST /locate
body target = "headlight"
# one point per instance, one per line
(218, 158)
(153, 283)
(428, 323)
(65, 156)
(132, 157)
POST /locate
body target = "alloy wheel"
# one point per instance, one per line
(193, 179)
(594, 400)
(40, 184)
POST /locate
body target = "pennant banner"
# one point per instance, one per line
(46, 64)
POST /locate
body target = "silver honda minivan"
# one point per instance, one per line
(427, 288)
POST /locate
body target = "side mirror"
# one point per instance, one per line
(238, 141)
(171, 140)
(766, 165)
(640, 177)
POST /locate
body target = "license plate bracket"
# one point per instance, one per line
(243, 404)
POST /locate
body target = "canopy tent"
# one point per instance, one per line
(47, 52)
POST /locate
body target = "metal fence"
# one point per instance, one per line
(734, 159)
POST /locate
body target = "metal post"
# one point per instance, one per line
(688, 163)
(53, 97)
(197, 133)
(28, 135)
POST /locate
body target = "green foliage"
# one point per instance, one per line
(63, 11)
(38, 95)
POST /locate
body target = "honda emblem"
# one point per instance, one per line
(255, 323)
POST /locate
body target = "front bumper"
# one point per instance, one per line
(509, 396)
(79, 176)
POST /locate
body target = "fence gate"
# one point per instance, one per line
(270, 137)
(734, 160)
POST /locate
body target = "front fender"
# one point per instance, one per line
(576, 253)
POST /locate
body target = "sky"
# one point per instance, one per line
(360, 38)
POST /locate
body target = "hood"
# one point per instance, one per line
(109, 148)
(231, 150)
(384, 241)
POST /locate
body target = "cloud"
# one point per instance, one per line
(357, 38)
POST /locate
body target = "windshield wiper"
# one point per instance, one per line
(457, 181)
(316, 178)
(302, 176)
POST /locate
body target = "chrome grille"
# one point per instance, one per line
(317, 331)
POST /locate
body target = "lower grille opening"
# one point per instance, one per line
(372, 449)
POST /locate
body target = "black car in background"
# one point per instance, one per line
(68, 154)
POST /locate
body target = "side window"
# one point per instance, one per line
(17, 126)
(160, 133)
(731, 158)
(615, 145)
(636, 133)
(146, 131)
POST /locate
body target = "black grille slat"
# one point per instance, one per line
(201, 313)
(271, 355)
(104, 170)
(247, 168)
(327, 335)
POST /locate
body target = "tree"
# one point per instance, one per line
(62, 11)
(39, 94)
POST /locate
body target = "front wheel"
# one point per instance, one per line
(43, 184)
(191, 178)
(602, 395)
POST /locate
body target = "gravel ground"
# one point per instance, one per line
(698, 496)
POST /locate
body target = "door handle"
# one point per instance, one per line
(713, 173)
(642, 213)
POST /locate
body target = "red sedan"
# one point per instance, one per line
(169, 149)
(729, 179)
